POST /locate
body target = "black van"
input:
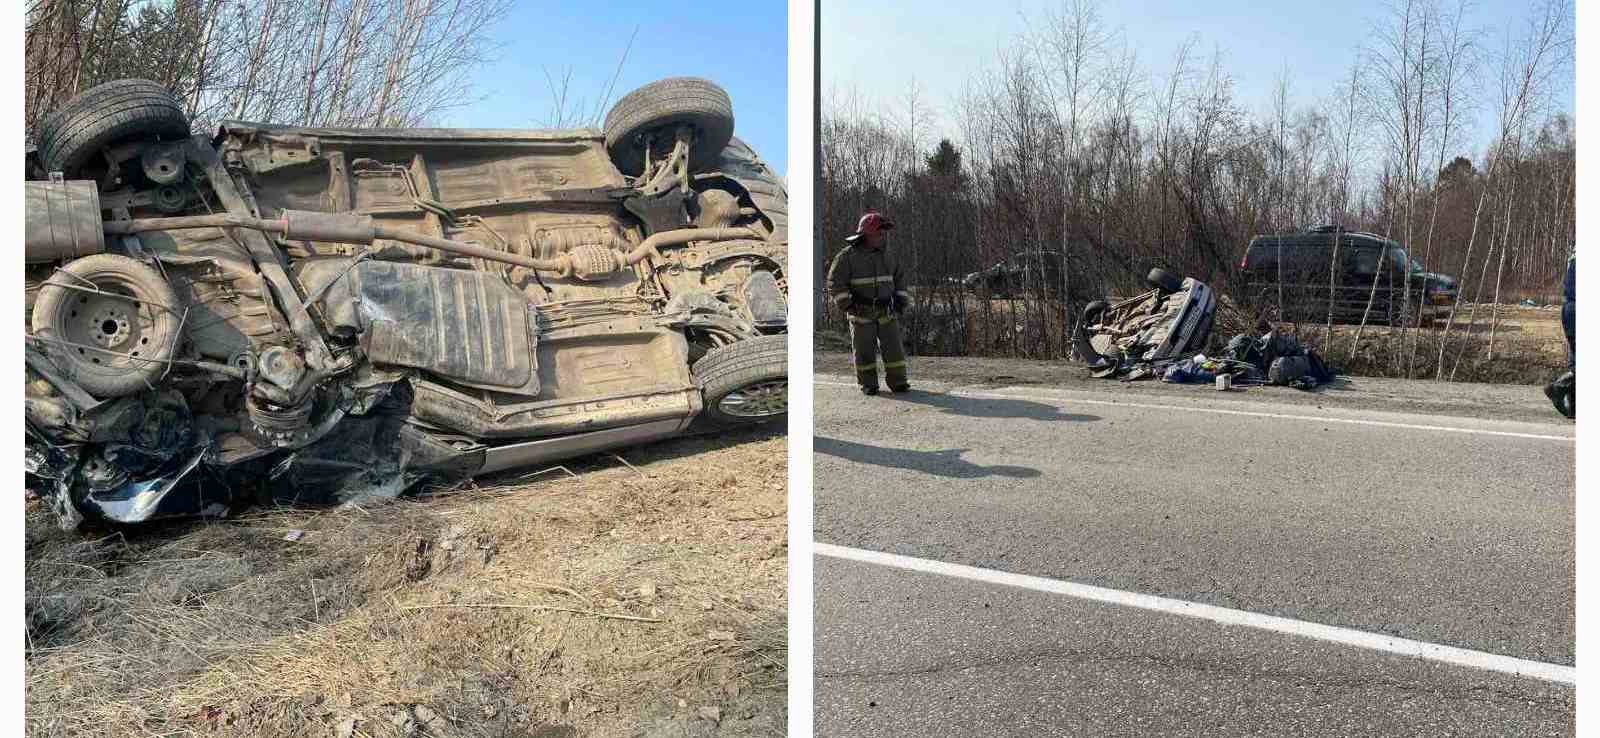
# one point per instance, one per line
(1294, 273)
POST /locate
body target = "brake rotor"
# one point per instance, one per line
(170, 199)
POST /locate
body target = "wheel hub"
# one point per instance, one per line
(110, 327)
(758, 400)
(110, 322)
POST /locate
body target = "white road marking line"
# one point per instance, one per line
(1221, 411)
(1225, 616)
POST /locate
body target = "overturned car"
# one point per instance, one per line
(1133, 336)
(308, 314)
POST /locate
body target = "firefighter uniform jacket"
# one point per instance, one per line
(872, 276)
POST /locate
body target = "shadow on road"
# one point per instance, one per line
(974, 407)
(946, 463)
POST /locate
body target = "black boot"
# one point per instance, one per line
(869, 391)
(1563, 394)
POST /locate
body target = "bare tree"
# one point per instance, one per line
(310, 62)
(1527, 68)
(1458, 50)
(1349, 119)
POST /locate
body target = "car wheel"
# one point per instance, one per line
(672, 101)
(106, 115)
(1164, 280)
(1096, 348)
(745, 383)
(1093, 311)
(108, 322)
(767, 191)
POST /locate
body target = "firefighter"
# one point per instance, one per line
(866, 282)
(1563, 392)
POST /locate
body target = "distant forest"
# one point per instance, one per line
(1068, 142)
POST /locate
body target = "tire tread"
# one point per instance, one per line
(69, 136)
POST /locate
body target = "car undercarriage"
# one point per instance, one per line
(316, 315)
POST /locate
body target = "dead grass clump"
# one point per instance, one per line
(635, 593)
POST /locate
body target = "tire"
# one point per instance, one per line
(1165, 280)
(1418, 315)
(126, 109)
(767, 191)
(670, 101)
(144, 328)
(1092, 313)
(745, 383)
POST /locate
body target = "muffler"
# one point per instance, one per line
(62, 221)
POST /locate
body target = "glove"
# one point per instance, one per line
(900, 304)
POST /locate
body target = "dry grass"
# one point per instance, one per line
(492, 611)
(1529, 347)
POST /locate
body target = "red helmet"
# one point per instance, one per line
(871, 222)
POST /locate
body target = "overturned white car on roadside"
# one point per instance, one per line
(1170, 322)
(314, 313)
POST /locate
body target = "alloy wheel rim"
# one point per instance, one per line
(757, 400)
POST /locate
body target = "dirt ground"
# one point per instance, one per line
(632, 595)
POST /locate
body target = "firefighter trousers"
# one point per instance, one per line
(869, 332)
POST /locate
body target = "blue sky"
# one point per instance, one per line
(878, 47)
(742, 46)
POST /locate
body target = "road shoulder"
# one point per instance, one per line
(1522, 403)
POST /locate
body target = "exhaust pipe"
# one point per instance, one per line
(360, 229)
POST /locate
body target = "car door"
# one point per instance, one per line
(1368, 278)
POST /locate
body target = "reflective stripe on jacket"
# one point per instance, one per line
(866, 274)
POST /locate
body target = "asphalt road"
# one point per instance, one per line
(1444, 529)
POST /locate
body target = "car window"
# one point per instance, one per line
(1263, 256)
(1397, 257)
(1364, 259)
(1306, 258)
